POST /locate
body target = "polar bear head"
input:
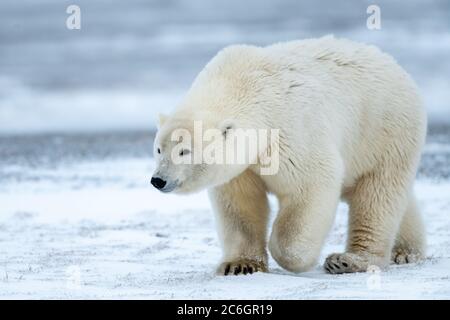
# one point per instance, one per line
(190, 154)
(221, 126)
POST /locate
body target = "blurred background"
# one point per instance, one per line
(132, 59)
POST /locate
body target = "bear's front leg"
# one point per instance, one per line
(304, 219)
(242, 210)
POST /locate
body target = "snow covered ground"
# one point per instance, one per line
(76, 225)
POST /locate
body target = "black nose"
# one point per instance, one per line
(158, 183)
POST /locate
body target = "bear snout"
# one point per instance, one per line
(158, 183)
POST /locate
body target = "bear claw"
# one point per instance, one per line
(338, 263)
(239, 267)
(402, 257)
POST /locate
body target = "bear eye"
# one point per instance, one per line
(159, 150)
(184, 152)
(224, 133)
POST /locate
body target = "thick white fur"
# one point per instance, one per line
(352, 128)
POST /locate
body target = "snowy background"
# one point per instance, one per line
(78, 217)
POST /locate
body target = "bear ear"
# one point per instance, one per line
(226, 126)
(161, 119)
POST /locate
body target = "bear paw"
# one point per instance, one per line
(403, 256)
(345, 263)
(244, 266)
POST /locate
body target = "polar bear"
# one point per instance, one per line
(351, 127)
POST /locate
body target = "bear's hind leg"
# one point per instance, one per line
(377, 204)
(410, 242)
(242, 210)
